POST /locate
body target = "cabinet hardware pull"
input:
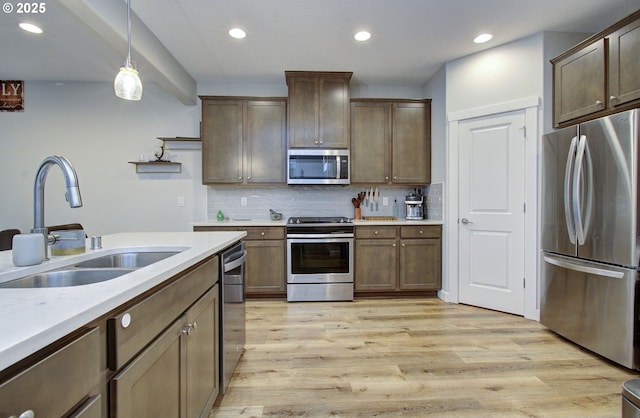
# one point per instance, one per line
(598, 102)
(189, 328)
(394, 245)
(375, 232)
(262, 233)
(26, 414)
(125, 321)
(420, 232)
(613, 98)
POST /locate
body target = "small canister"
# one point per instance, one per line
(28, 249)
(96, 242)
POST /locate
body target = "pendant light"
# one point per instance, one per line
(127, 84)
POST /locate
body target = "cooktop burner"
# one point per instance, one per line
(299, 220)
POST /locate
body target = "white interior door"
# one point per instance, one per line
(491, 211)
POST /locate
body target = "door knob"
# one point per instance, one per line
(465, 221)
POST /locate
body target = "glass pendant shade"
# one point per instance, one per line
(127, 84)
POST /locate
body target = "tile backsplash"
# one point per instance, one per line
(255, 202)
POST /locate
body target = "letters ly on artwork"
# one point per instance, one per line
(11, 96)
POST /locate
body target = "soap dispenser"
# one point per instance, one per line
(220, 216)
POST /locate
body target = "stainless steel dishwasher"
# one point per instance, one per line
(232, 311)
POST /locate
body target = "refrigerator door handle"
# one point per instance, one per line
(568, 172)
(583, 268)
(583, 159)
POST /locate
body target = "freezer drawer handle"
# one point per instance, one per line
(584, 269)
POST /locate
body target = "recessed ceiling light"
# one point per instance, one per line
(237, 33)
(362, 36)
(485, 37)
(29, 27)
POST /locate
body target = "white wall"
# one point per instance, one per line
(99, 134)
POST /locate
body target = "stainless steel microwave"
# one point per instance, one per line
(318, 166)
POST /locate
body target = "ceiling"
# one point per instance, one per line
(411, 38)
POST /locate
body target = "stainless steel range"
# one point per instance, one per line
(319, 259)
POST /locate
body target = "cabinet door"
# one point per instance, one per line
(57, 383)
(624, 64)
(222, 141)
(152, 385)
(375, 265)
(333, 119)
(579, 83)
(265, 268)
(266, 142)
(303, 111)
(411, 137)
(370, 142)
(202, 354)
(91, 408)
(420, 265)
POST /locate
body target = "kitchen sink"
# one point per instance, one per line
(65, 278)
(131, 260)
(96, 270)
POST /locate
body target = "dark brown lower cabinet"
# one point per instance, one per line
(177, 375)
(265, 268)
(393, 260)
(151, 386)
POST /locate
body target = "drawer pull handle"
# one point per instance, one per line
(420, 232)
(375, 232)
(26, 414)
(189, 328)
(262, 233)
(125, 321)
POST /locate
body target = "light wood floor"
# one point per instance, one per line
(413, 357)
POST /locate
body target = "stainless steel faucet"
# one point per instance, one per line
(72, 194)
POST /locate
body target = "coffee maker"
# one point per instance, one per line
(415, 205)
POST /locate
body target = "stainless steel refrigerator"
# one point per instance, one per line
(590, 236)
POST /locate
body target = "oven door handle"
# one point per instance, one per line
(236, 262)
(319, 236)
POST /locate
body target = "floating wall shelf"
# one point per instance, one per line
(157, 166)
(181, 143)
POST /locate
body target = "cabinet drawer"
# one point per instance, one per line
(134, 328)
(253, 233)
(370, 232)
(422, 231)
(264, 233)
(54, 385)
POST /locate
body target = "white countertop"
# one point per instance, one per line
(267, 222)
(30, 319)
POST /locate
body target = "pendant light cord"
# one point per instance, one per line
(128, 63)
